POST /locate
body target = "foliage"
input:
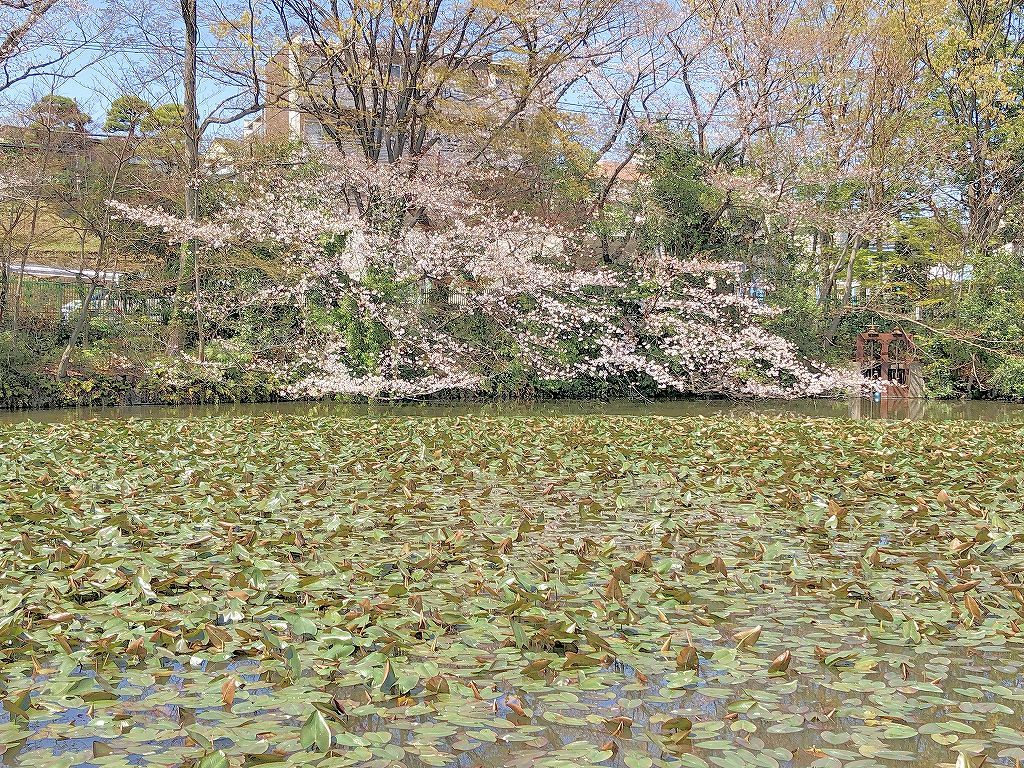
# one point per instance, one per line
(19, 382)
(397, 308)
(60, 113)
(102, 377)
(1008, 378)
(127, 113)
(839, 162)
(681, 208)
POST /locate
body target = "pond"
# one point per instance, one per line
(855, 408)
(561, 590)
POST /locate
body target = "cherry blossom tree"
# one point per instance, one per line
(404, 283)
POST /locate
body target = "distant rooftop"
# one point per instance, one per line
(48, 272)
(629, 172)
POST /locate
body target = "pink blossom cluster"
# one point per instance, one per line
(12, 186)
(451, 258)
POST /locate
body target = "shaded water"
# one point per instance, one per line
(856, 408)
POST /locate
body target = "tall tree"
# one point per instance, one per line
(396, 79)
(127, 114)
(972, 52)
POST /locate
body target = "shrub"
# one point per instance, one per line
(1008, 378)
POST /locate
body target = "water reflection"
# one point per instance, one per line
(855, 408)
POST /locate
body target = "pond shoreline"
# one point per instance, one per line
(851, 408)
(83, 391)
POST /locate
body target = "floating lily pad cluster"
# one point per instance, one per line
(473, 591)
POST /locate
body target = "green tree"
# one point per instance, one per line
(127, 114)
(60, 113)
(165, 134)
(165, 117)
(974, 77)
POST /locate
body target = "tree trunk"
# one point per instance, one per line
(833, 327)
(24, 260)
(80, 324)
(5, 283)
(200, 331)
(190, 128)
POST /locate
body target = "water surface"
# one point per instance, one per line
(857, 408)
(488, 592)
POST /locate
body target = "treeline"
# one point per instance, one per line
(695, 197)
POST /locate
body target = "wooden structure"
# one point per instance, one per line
(887, 358)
